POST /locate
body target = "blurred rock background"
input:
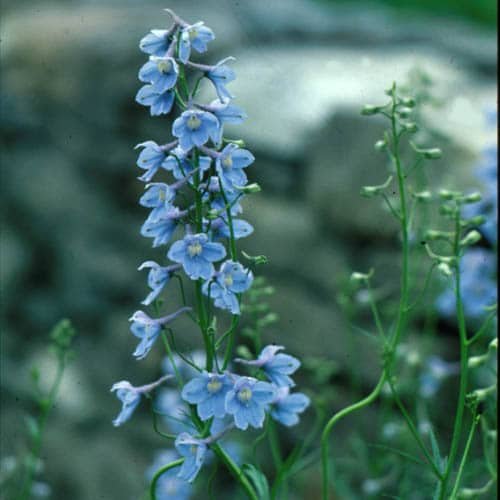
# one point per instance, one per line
(70, 242)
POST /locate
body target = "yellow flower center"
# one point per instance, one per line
(228, 280)
(194, 249)
(193, 449)
(164, 67)
(245, 395)
(214, 385)
(162, 195)
(193, 33)
(227, 161)
(193, 122)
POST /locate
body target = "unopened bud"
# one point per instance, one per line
(369, 109)
(405, 112)
(358, 277)
(410, 127)
(380, 145)
(212, 214)
(256, 259)
(408, 102)
(447, 194)
(250, 188)
(472, 198)
(444, 269)
(473, 221)
(434, 235)
(471, 238)
(432, 154)
(423, 196)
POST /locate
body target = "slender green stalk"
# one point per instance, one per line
(159, 473)
(461, 468)
(338, 416)
(235, 471)
(45, 405)
(464, 367)
(403, 310)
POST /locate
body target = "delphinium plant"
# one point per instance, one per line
(21, 477)
(448, 248)
(194, 186)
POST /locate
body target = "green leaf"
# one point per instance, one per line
(438, 460)
(258, 480)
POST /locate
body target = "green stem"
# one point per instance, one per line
(46, 405)
(412, 428)
(200, 304)
(235, 471)
(475, 420)
(464, 368)
(403, 303)
(159, 473)
(338, 416)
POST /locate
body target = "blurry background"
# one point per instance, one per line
(70, 233)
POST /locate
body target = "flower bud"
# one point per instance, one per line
(423, 196)
(370, 191)
(434, 235)
(380, 145)
(358, 277)
(444, 269)
(472, 198)
(408, 102)
(405, 112)
(251, 188)
(432, 154)
(473, 221)
(475, 361)
(410, 127)
(369, 109)
(212, 214)
(471, 238)
(447, 194)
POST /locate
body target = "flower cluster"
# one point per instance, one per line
(242, 401)
(194, 214)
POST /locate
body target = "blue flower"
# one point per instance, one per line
(196, 36)
(248, 402)
(208, 392)
(158, 278)
(194, 127)
(162, 72)
(178, 163)
(220, 75)
(156, 42)
(277, 367)
(160, 102)
(162, 228)
(286, 407)
(225, 112)
(232, 278)
(229, 164)
(159, 197)
(150, 159)
(148, 329)
(193, 450)
(219, 228)
(129, 397)
(196, 255)
(169, 486)
(478, 287)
